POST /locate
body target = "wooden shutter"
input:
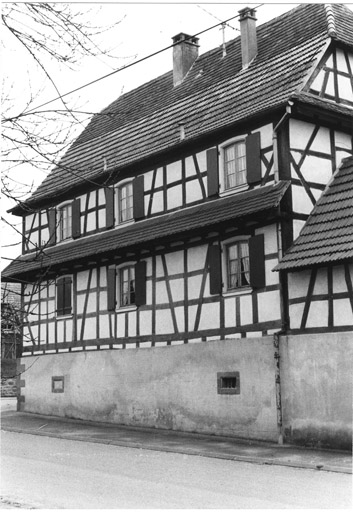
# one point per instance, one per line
(64, 296)
(109, 207)
(76, 218)
(140, 283)
(253, 158)
(60, 297)
(212, 172)
(52, 226)
(257, 261)
(214, 259)
(138, 197)
(111, 284)
(67, 295)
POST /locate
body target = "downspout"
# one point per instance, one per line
(276, 336)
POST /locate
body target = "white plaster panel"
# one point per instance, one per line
(194, 286)
(45, 236)
(174, 197)
(92, 303)
(343, 140)
(269, 306)
(270, 237)
(145, 323)
(92, 199)
(42, 330)
(161, 293)
(82, 280)
(197, 257)
(131, 323)
(148, 292)
(51, 332)
(159, 267)
(51, 290)
(202, 160)
(80, 303)
(297, 227)
(192, 310)
(338, 279)
(316, 170)
(103, 301)
(322, 141)
(44, 217)
(147, 202)
(300, 133)
(175, 262)
(148, 267)
(193, 191)
(317, 83)
(229, 311)
(180, 318)
(330, 87)
(301, 201)
(266, 135)
(298, 283)
(148, 180)
(91, 221)
(164, 323)
(345, 88)
(296, 314)
(271, 277)
(69, 329)
(209, 318)
(157, 202)
(43, 308)
(318, 314)
(342, 312)
(189, 167)
(246, 315)
(104, 326)
(90, 329)
(33, 240)
(60, 331)
(102, 276)
(51, 308)
(101, 197)
(321, 286)
(120, 319)
(341, 61)
(177, 289)
(174, 172)
(28, 221)
(159, 177)
(340, 155)
(101, 219)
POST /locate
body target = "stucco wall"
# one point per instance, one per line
(316, 385)
(167, 387)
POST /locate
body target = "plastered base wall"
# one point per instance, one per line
(316, 385)
(172, 388)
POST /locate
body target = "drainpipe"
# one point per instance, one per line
(285, 116)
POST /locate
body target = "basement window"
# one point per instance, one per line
(57, 384)
(228, 383)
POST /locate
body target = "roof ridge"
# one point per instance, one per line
(331, 23)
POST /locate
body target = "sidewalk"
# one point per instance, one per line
(177, 442)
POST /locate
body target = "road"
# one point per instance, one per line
(45, 472)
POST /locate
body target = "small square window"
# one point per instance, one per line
(228, 383)
(57, 384)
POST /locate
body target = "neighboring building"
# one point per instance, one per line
(160, 229)
(11, 339)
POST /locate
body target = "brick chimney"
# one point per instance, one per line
(185, 52)
(248, 35)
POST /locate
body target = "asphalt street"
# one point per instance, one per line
(48, 472)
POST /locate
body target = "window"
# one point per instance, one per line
(127, 286)
(237, 264)
(64, 222)
(234, 161)
(125, 202)
(228, 383)
(64, 296)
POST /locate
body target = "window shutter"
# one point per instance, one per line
(76, 218)
(214, 258)
(67, 295)
(257, 261)
(60, 297)
(140, 283)
(111, 284)
(253, 158)
(109, 207)
(212, 172)
(52, 226)
(138, 197)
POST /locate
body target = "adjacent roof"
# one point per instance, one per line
(216, 93)
(190, 220)
(327, 236)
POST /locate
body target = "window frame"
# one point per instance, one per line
(59, 228)
(118, 187)
(58, 314)
(224, 190)
(130, 265)
(239, 290)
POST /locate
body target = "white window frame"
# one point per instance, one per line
(68, 315)
(241, 290)
(59, 207)
(117, 209)
(119, 269)
(224, 191)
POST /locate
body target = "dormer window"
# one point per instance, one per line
(125, 202)
(65, 221)
(234, 159)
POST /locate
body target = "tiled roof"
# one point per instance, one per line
(151, 230)
(327, 236)
(216, 93)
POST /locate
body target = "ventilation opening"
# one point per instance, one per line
(57, 384)
(228, 383)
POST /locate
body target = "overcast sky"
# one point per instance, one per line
(144, 29)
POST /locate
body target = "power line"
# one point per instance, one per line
(132, 64)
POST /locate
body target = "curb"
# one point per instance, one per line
(189, 451)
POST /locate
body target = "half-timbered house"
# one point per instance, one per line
(160, 228)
